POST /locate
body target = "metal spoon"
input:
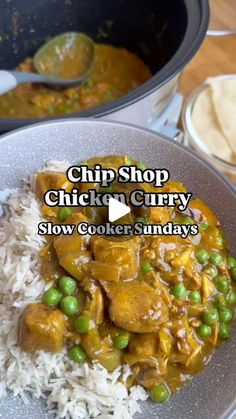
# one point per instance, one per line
(64, 61)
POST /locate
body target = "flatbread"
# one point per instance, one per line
(207, 126)
(224, 101)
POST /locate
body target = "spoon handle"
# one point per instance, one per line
(7, 81)
(37, 78)
(27, 77)
(10, 79)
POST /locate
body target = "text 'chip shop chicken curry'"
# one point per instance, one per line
(160, 304)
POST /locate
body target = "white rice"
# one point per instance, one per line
(69, 390)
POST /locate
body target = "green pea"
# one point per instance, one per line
(110, 189)
(52, 297)
(122, 340)
(202, 256)
(75, 96)
(82, 163)
(225, 315)
(231, 262)
(233, 274)
(108, 95)
(128, 161)
(220, 302)
(204, 330)
(50, 110)
(194, 297)
(146, 268)
(141, 166)
(142, 220)
(77, 354)
(88, 83)
(63, 213)
(62, 107)
(9, 93)
(69, 305)
(203, 227)
(211, 271)
(210, 316)
(222, 284)
(67, 285)
(231, 298)
(224, 331)
(159, 393)
(186, 221)
(216, 259)
(179, 291)
(82, 324)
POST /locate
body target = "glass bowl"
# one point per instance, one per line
(197, 143)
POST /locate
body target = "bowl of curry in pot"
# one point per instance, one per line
(87, 321)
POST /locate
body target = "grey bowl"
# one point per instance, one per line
(212, 393)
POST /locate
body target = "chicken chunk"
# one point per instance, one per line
(71, 250)
(145, 345)
(135, 306)
(123, 254)
(51, 180)
(94, 303)
(46, 181)
(101, 349)
(41, 328)
(159, 215)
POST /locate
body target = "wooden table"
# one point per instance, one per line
(217, 55)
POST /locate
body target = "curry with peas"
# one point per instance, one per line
(115, 72)
(160, 304)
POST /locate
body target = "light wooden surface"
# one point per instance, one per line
(217, 55)
(223, 14)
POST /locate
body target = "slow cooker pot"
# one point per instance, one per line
(164, 33)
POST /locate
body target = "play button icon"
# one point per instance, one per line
(116, 210)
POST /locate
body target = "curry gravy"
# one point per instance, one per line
(115, 72)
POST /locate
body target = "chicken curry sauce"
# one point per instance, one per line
(160, 304)
(115, 72)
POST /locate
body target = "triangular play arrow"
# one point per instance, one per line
(116, 210)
